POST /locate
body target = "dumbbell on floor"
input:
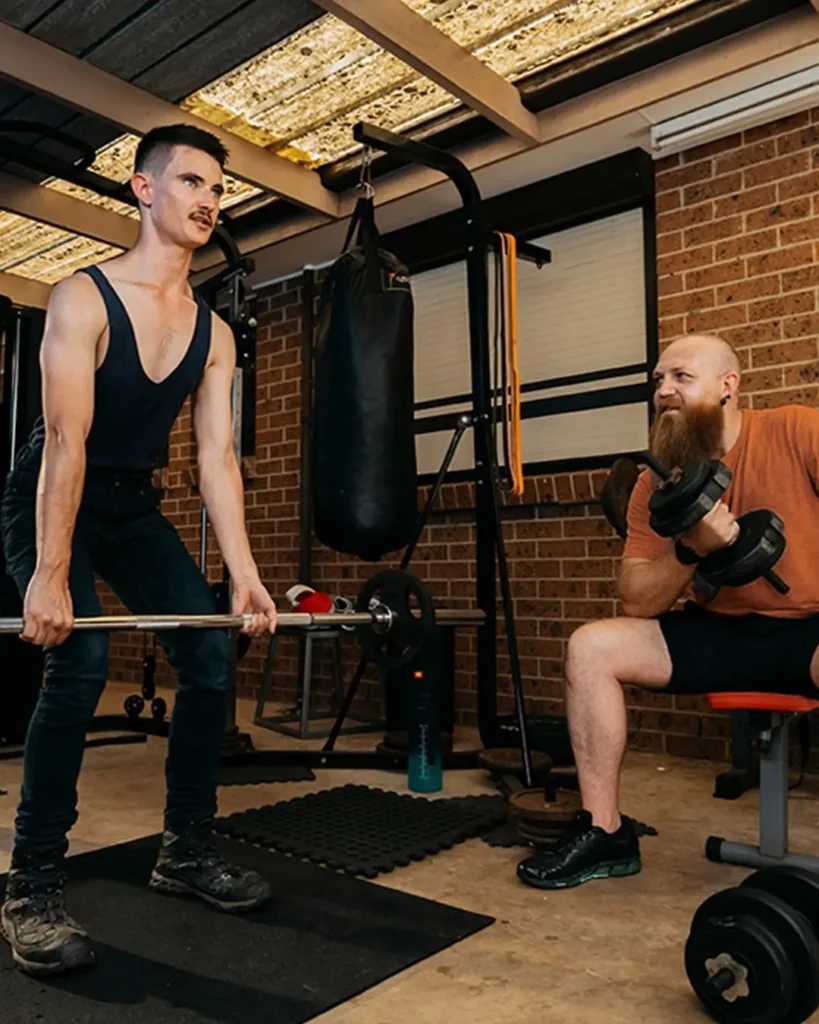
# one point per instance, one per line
(687, 494)
(752, 954)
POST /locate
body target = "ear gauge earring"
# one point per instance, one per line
(724, 400)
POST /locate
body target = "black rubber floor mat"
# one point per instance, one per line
(365, 831)
(324, 939)
(256, 774)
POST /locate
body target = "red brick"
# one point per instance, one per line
(779, 213)
(783, 167)
(802, 184)
(687, 302)
(712, 231)
(745, 291)
(781, 126)
(745, 156)
(786, 352)
(685, 218)
(787, 305)
(801, 326)
(744, 245)
(688, 259)
(769, 379)
(803, 138)
(797, 396)
(799, 376)
(667, 201)
(670, 285)
(715, 319)
(732, 270)
(722, 186)
(804, 277)
(709, 149)
(780, 259)
(669, 243)
(686, 175)
(801, 231)
(741, 202)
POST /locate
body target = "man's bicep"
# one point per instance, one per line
(212, 420)
(74, 321)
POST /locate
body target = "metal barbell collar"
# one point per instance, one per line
(380, 617)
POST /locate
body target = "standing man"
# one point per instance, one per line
(124, 346)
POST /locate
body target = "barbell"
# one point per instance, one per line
(394, 612)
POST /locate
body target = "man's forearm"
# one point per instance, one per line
(220, 485)
(651, 589)
(59, 493)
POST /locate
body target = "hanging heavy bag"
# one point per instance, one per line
(364, 475)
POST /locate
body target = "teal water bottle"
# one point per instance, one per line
(425, 772)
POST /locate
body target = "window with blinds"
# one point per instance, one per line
(581, 349)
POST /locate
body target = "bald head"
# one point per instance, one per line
(706, 350)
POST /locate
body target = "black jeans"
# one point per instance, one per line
(121, 536)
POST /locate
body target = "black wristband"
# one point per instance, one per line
(686, 555)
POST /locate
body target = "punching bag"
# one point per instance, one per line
(364, 476)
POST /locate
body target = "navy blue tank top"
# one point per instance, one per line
(133, 415)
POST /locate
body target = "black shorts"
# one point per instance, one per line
(712, 653)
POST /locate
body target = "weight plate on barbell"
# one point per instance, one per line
(690, 493)
(532, 805)
(759, 546)
(790, 927)
(798, 887)
(405, 595)
(766, 985)
(616, 493)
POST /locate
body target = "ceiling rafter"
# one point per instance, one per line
(424, 47)
(61, 211)
(77, 83)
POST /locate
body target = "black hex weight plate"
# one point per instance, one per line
(688, 495)
(787, 926)
(413, 615)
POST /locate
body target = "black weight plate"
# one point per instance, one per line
(616, 493)
(689, 494)
(771, 980)
(798, 887)
(760, 545)
(790, 926)
(401, 642)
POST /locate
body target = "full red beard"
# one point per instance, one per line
(694, 433)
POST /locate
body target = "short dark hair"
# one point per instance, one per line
(159, 142)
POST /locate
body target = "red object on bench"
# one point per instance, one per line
(762, 702)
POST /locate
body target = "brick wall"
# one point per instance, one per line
(737, 227)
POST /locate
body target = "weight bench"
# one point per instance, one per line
(770, 714)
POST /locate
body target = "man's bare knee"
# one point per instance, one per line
(632, 650)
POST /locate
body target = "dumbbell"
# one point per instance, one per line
(687, 494)
(752, 954)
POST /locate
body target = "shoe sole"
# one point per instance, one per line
(613, 869)
(176, 887)
(37, 969)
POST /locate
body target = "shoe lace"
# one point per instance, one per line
(45, 897)
(199, 846)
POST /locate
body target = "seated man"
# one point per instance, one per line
(741, 638)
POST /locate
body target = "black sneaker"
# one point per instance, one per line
(188, 864)
(587, 852)
(44, 939)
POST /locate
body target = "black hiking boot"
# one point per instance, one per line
(44, 939)
(188, 865)
(586, 852)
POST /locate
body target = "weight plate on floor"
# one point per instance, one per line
(798, 887)
(531, 805)
(764, 984)
(508, 760)
(789, 926)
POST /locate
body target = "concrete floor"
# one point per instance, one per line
(608, 951)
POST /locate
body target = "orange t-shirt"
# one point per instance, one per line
(775, 465)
